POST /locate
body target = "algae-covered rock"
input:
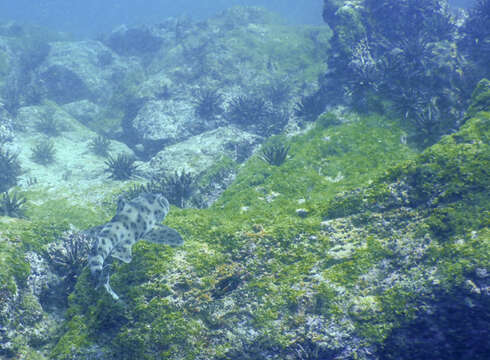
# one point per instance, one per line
(480, 99)
(373, 58)
(84, 111)
(7, 63)
(6, 125)
(80, 70)
(344, 17)
(357, 247)
(264, 282)
(167, 122)
(22, 318)
(135, 41)
(199, 153)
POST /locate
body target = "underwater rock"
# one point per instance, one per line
(41, 280)
(23, 318)
(158, 87)
(200, 152)
(6, 125)
(332, 10)
(76, 166)
(480, 99)
(84, 111)
(58, 79)
(47, 119)
(7, 320)
(10, 88)
(302, 213)
(135, 41)
(168, 122)
(81, 70)
(211, 157)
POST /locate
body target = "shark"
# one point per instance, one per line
(135, 220)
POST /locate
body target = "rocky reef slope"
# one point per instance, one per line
(355, 247)
(217, 88)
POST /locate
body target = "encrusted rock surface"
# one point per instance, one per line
(200, 152)
(384, 255)
(167, 121)
(81, 70)
(84, 111)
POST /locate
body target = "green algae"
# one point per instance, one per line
(216, 172)
(251, 265)
(480, 99)
(75, 336)
(322, 163)
(221, 47)
(257, 211)
(254, 274)
(47, 220)
(13, 268)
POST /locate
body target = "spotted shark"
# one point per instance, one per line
(137, 219)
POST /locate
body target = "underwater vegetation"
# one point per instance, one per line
(251, 265)
(253, 113)
(121, 167)
(247, 110)
(278, 92)
(327, 120)
(10, 169)
(404, 52)
(48, 126)
(336, 240)
(476, 32)
(12, 204)
(69, 255)
(275, 154)
(311, 106)
(43, 152)
(177, 187)
(208, 103)
(100, 145)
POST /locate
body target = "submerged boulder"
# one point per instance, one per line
(133, 41)
(168, 122)
(199, 153)
(84, 111)
(81, 70)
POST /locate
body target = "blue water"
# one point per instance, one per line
(91, 17)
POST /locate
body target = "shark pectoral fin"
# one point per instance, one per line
(122, 252)
(162, 234)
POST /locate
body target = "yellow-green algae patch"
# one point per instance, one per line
(249, 256)
(381, 227)
(383, 232)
